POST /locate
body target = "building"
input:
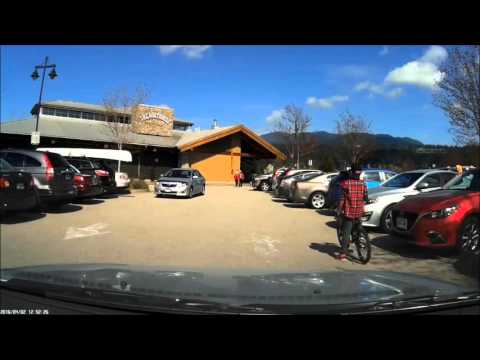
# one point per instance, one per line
(155, 137)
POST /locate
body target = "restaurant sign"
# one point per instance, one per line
(152, 120)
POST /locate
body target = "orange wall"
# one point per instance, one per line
(216, 166)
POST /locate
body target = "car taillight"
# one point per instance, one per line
(4, 183)
(50, 173)
(79, 181)
(101, 173)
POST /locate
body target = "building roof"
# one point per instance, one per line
(94, 130)
(74, 105)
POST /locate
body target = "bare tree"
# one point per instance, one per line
(459, 93)
(356, 142)
(292, 126)
(119, 105)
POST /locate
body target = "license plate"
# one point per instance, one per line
(21, 186)
(402, 223)
(167, 190)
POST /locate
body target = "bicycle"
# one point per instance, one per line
(359, 237)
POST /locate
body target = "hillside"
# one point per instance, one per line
(326, 138)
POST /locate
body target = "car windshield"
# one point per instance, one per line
(179, 174)
(469, 181)
(219, 178)
(4, 166)
(403, 180)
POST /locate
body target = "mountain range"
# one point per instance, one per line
(326, 138)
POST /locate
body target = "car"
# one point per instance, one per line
(312, 192)
(95, 167)
(52, 174)
(279, 175)
(374, 177)
(262, 182)
(287, 173)
(182, 182)
(17, 189)
(382, 199)
(446, 218)
(87, 185)
(283, 189)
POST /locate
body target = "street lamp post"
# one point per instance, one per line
(35, 76)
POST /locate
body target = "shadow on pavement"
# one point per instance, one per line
(20, 217)
(469, 264)
(397, 246)
(64, 209)
(88, 201)
(108, 196)
(327, 248)
(326, 212)
(332, 224)
(295, 205)
(279, 200)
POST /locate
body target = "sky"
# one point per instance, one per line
(390, 86)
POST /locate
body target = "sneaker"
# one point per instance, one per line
(342, 257)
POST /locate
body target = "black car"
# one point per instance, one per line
(99, 168)
(52, 174)
(17, 191)
(87, 185)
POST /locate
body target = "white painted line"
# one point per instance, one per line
(90, 230)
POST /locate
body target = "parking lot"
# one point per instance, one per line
(228, 228)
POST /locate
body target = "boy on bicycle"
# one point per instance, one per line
(352, 205)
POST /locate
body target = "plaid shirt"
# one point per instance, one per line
(353, 201)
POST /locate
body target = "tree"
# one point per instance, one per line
(292, 126)
(119, 105)
(458, 93)
(356, 142)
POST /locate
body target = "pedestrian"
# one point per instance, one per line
(241, 178)
(352, 206)
(236, 177)
(459, 168)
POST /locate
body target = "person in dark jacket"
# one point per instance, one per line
(335, 191)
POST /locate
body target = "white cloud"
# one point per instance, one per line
(384, 51)
(275, 116)
(189, 51)
(376, 89)
(325, 103)
(354, 71)
(423, 72)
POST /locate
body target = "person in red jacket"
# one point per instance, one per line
(236, 177)
(241, 178)
(352, 205)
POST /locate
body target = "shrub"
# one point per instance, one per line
(138, 184)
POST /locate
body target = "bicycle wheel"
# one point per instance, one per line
(362, 244)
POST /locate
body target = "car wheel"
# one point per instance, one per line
(469, 235)
(190, 193)
(203, 189)
(317, 200)
(386, 221)
(264, 186)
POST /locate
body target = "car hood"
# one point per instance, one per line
(173, 179)
(432, 200)
(228, 287)
(386, 191)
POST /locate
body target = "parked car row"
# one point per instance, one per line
(433, 208)
(32, 179)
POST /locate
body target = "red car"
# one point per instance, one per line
(446, 218)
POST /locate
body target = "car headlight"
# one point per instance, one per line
(443, 213)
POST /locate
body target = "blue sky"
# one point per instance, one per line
(389, 85)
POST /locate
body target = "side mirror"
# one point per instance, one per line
(422, 186)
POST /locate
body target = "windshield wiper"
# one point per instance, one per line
(420, 302)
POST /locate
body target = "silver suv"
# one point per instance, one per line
(52, 174)
(180, 182)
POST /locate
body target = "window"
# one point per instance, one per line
(433, 180)
(87, 115)
(15, 159)
(48, 111)
(99, 117)
(81, 164)
(127, 119)
(389, 175)
(57, 161)
(446, 177)
(372, 176)
(61, 112)
(110, 118)
(74, 114)
(31, 162)
(403, 180)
